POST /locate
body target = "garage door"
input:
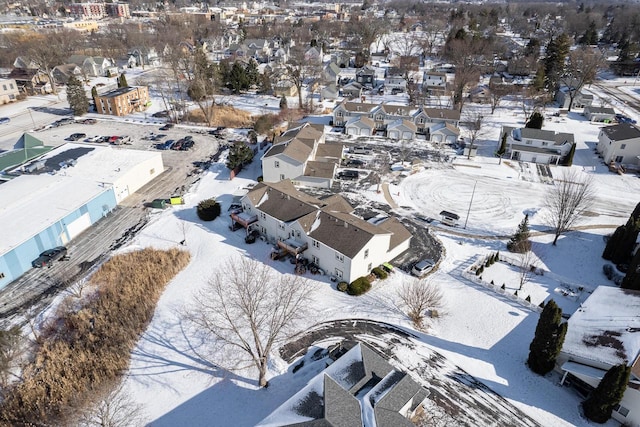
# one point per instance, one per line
(394, 134)
(451, 139)
(365, 132)
(352, 131)
(407, 135)
(79, 225)
(436, 137)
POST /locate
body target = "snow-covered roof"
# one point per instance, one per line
(606, 328)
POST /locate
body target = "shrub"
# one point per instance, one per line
(265, 123)
(492, 282)
(503, 286)
(253, 137)
(380, 273)
(208, 210)
(343, 286)
(487, 263)
(480, 270)
(528, 298)
(359, 286)
(497, 256)
(516, 293)
(260, 178)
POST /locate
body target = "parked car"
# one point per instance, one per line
(4, 120)
(77, 136)
(88, 121)
(422, 267)
(360, 150)
(356, 163)
(93, 139)
(167, 126)
(47, 258)
(163, 113)
(348, 174)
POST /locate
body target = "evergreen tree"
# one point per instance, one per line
(535, 121)
(94, 92)
(283, 102)
(621, 244)
(568, 160)
(264, 83)
(122, 81)
(539, 79)
(503, 145)
(238, 80)
(77, 97)
(547, 342)
(599, 405)
(520, 242)
(631, 280)
(556, 54)
(251, 70)
(590, 36)
(239, 155)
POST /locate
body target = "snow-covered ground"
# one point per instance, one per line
(482, 331)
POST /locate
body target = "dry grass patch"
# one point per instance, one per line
(223, 115)
(86, 348)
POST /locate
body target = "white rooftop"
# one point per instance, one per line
(33, 202)
(606, 328)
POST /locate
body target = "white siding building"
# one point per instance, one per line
(619, 143)
(537, 145)
(323, 231)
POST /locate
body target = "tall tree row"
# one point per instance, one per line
(548, 339)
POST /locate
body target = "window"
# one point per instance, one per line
(545, 143)
(622, 146)
(281, 176)
(366, 253)
(4, 87)
(316, 244)
(369, 267)
(619, 159)
(281, 226)
(528, 142)
(152, 171)
(11, 85)
(263, 215)
(338, 273)
(1, 275)
(621, 410)
(314, 259)
(276, 164)
(339, 257)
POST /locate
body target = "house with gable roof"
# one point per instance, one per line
(301, 155)
(358, 388)
(619, 143)
(602, 333)
(401, 130)
(324, 231)
(434, 83)
(92, 66)
(537, 145)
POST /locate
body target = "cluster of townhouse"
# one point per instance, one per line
(397, 122)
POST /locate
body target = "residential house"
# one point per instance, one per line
(301, 155)
(341, 58)
(366, 76)
(23, 62)
(62, 73)
(31, 81)
(313, 55)
(259, 49)
(360, 126)
(442, 133)
(122, 101)
(330, 92)
(619, 143)
(8, 91)
(395, 84)
(434, 83)
(580, 100)
(285, 87)
(537, 145)
(599, 114)
(401, 130)
(602, 333)
(384, 114)
(352, 90)
(331, 73)
(94, 66)
(480, 94)
(143, 56)
(323, 231)
(343, 394)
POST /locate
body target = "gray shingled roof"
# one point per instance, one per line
(386, 411)
(544, 135)
(275, 149)
(320, 169)
(342, 232)
(282, 201)
(621, 132)
(442, 113)
(400, 233)
(329, 150)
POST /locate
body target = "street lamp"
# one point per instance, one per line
(470, 202)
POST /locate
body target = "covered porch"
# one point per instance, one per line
(242, 219)
(292, 246)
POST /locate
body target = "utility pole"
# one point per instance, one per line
(470, 202)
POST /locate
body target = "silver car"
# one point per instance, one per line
(422, 267)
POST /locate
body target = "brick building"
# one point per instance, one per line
(123, 101)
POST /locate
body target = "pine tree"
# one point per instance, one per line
(568, 160)
(535, 121)
(548, 340)
(76, 96)
(240, 154)
(520, 242)
(599, 405)
(503, 145)
(122, 81)
(556, 54)
(631, 280)
(621, 244)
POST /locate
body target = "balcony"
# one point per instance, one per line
(292, 246)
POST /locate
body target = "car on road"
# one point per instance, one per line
(422, 267)
(77, 136)
(48, 257)
(4, 120)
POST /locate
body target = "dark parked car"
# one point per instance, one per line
(47, 257)
(348, 174)
(4, 120)
(167, 126)
(77, 136)
(356, 163)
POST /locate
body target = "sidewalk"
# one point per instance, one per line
(387, 195)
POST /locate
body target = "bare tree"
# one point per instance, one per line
(116, 409)
(418, 296)
(299, 70)
(364, 31)
(570, 197)
(580, 69)
(248, 308)
(12, 346)
(527, 267)
(498, 92)
(473, 122)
